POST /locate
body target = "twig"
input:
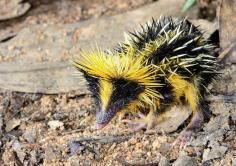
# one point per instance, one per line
(71, 132)
(125, 163)
(223, 54)
(226, 98)
(77, 143)
(104, 139)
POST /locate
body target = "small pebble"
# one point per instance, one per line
(54, 124)
(185, 161)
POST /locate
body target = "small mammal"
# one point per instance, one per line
(167, 63)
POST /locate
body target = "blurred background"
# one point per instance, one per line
(70, 11)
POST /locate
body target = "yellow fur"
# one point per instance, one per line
(109, 67)
(105, 93)
(100, 64)
(188, 90)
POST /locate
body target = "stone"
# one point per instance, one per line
(156, 144)
(74, 147)
(50, 155)
(6, 35)
(11, 124)
(164, 162)
(215, 152)
(29, 136)
(164, 148)
(185, 161)
(18, 148)
(217, 123)
(55, 124)
(133, 141)
(13, 9)
(33, 156)
(234, 162)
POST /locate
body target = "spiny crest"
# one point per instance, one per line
(158, 33)
(163, 42)
(109, 67)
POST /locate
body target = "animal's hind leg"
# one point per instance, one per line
(192, 97)
(193, 127)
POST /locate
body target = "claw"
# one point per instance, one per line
(139, 127)
(187, 135)
(136, 125)
(141, 115)
(184, 139)
(145, 122)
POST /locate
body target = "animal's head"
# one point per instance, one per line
(118, 81)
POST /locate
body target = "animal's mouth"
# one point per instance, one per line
(104, 117)
(100, 125)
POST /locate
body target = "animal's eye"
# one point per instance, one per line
(130, 91)
(127, 89)
(134, 91)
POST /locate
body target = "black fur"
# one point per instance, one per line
(93, 84)
(150, 33)
(125, 90)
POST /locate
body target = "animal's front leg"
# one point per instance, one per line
(144, 122)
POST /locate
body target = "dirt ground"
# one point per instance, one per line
(40, 129)
(69, 11)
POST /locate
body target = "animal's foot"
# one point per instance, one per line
(184, 139)
(187, 135)
(144, 122)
